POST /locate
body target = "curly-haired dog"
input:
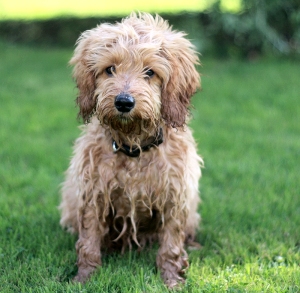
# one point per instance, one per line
(134, 174)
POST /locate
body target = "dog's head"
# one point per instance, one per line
(135, 74)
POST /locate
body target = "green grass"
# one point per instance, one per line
(246, 122)
(32, 9)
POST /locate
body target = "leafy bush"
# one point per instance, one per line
(262, 26)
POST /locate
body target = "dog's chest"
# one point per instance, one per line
(137, 187)
(138, 174)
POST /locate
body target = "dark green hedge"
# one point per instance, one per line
(260, 28)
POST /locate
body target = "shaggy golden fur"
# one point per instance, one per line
(110, 199)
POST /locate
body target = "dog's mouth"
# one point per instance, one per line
(123, 122)
(125, 118)
(129, 125)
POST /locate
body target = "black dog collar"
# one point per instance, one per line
(135, 151)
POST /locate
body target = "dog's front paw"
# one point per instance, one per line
(83, 274)
(172, 272)
(172, 279)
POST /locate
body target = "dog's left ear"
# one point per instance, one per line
(183, 82)
(85, 78)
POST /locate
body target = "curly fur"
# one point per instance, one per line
(108, 198)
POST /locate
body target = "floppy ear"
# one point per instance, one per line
(85, 78)
(183, 82)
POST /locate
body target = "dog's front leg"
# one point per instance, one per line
(171, 257)
(88, 244)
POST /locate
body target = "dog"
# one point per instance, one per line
(134, 174)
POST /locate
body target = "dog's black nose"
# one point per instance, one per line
(124, 102)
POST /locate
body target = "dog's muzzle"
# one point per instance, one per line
(124, 102)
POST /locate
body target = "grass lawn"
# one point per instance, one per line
(246, 122)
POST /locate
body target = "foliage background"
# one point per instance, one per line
(246, 29)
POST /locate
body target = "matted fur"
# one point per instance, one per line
(109, 198)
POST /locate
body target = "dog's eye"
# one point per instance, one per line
(149, 73)
(109, 70)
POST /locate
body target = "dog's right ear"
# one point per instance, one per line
(85, 79)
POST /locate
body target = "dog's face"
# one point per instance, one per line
(128, 87)
(135, 75)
